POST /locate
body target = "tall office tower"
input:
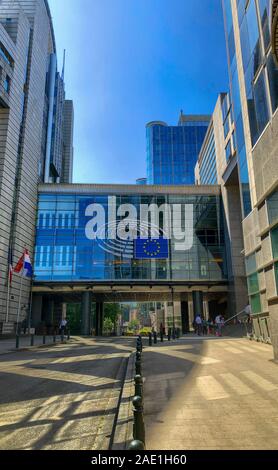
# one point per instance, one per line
(141, 181)
(217, 164)
(31, 100)
(68, 123)
(172, 151)
(250, 26)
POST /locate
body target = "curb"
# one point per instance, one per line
(124, 426)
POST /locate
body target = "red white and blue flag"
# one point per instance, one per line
(24, 266)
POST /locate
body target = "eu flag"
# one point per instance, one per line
(151, 248)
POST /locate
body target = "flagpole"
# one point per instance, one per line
(19, 300)
(30, 308)
(8, 296)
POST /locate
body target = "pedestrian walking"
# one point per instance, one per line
(205, 327)
(198, 322)
(62, 326)
(219, 325)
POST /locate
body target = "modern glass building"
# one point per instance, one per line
(65, 252)
(172, 151)
(251, 32)
(123, 242)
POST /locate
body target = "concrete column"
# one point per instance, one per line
(206, 309)
(185, 317)
(99, 318)
(64, 311)
(190, 311)
(86, 312)
(36, 310)
(198, 303)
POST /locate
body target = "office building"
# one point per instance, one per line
(172, 151)
(31, 118)
(251, 32)
(217, 164)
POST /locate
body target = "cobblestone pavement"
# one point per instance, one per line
(62, 397)
(211, 394)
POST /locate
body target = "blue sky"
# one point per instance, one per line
(130, 62)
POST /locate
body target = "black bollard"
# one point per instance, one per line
(54, 339)
(155, 337)
(138, 367)
(169, 335)
(138, 381)
(138, 427)
(161, 337)
(139, 346)
(62, 337)
(43, 339)
(174, 334)
(68, 335)
(136, 445)
(138, 356)
(32, 340)
(17, 341)
(150, 339)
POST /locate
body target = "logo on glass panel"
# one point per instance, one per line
(142, 232)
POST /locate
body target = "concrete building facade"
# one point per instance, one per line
(250, 26)
(27, 43)
(217, 164)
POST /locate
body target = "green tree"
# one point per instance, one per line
(112, 312)
(134, 325)
(108, 326)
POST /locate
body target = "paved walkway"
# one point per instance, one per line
(9, 345)
(211, 394)
(62, 397)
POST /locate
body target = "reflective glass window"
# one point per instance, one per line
(253, 283)
(255, 301)
(272, 71)
(262, 111)
(272, 208)
(264, 14)
(274, 241)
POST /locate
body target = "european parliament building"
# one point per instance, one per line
(119, 243)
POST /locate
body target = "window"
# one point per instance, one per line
(264, 12)
(273, 80)
(258, 108)
(256, 303)
(272, 208)
(7, 84)
(274, 242)
(276, 276)
(251, 264)
(228, 151)
(253, 283)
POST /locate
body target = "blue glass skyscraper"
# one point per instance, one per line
(172, 151)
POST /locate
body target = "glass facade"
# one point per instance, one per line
(172, 152)
(208, 171)
(65, 252)
(256, 53)
(236, 104)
